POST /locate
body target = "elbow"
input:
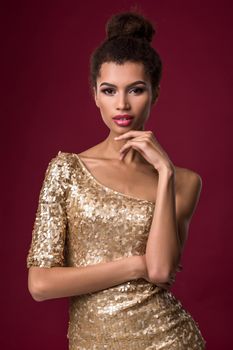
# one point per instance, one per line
(162, 274)
(159, 276)
(36, 291)
(36, 288)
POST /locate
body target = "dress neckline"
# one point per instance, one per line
(108, 188)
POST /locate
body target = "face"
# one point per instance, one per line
(123, 90)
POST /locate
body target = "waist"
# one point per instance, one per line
(115, 299)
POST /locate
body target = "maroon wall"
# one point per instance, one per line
(47, 107)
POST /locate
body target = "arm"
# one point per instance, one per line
(170, 223)
(186, 202)
(48, 276)
(172, 212)
(58, 282)
(163, 246)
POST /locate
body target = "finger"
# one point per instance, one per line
(126, 150)
(123, 153)
(137, 138)
(131, 133)
(131, 143)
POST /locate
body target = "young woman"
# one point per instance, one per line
(112, 221)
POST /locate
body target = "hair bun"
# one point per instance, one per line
(129, 24)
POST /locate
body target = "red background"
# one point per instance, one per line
(47, 107)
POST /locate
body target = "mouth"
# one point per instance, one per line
(123, 117)
(123, 120)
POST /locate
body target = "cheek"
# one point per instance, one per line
(143, 105)
(103, 103)
(104, 110)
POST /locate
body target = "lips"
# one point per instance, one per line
(123, 121)
(123, 117)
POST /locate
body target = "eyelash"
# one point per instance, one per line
(139, 89)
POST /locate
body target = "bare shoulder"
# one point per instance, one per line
(188, 189)
(187, 179)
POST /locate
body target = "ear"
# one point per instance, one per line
(156, 93)
(95, 97)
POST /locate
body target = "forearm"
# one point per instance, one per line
(163, 245)
(58, 282)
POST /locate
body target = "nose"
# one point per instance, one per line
(122, 102)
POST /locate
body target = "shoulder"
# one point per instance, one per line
(187, 178)
(188, 189)
(61, 165)
(63, 159)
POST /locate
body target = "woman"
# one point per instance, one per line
(112, 221)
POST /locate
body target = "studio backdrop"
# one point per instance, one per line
(47, 107)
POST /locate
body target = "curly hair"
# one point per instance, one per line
(129, 35)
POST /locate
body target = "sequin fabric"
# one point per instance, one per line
(79, 221)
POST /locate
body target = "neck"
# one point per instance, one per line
(111, 148)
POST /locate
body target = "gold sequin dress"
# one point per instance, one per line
(79, 221)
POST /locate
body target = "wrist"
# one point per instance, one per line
(166, 172)
(138, 266)
(166, 169)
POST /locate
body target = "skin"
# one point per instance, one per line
(134, 164)
(177, 189)
(135, 100)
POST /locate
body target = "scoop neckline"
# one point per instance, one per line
(109, 188)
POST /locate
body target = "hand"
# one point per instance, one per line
(147, 145)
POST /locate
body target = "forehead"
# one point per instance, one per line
(121, 74)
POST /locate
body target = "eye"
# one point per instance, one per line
(108, 91)
(137, 90)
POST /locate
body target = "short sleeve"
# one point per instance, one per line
(47, 247)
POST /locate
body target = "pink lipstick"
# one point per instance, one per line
(123, 120)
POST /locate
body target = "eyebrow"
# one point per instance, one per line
(134, 83)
